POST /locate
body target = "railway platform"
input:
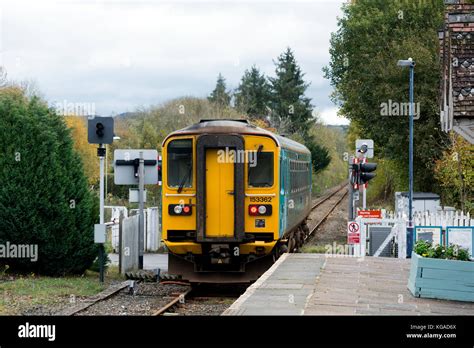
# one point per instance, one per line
(316, 284)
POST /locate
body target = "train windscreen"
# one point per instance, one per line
(261, 174)
(180, 163)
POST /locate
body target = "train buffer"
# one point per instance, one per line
(316, 284)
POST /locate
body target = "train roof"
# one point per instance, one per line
(238, 127)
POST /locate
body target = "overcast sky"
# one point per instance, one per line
(121, 55)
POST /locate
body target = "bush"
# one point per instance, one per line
(452, 252)
(44, 198)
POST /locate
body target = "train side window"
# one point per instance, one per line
(180, 163)
(262, 174)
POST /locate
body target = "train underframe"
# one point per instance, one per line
(219, 263)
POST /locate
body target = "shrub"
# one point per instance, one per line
(44, 195)
(452, 252)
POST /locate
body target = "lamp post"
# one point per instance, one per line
(411, 64)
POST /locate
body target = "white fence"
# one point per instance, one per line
(152, 236)
(399, 223)
(398, 232)
(440, 218)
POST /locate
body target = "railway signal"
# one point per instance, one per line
(361, 173)
(100, 130)
(354, 173)
(365, 172)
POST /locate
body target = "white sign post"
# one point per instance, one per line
(132, 167)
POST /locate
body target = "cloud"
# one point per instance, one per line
(329, 116)
(121, 55)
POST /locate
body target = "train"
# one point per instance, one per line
(234, 198)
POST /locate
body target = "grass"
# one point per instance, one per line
(29, 291)
(314, 249)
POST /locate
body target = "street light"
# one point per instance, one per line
(411, 64)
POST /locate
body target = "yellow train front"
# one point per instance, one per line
(235, 197)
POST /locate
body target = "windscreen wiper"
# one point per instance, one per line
(185, 178)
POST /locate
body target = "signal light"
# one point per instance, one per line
(361, 173)
(99, 129)
(178, 209)
(160, 176)
(365, 173)
(186, 209)
(260, 210)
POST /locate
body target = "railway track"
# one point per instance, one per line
(296, 239)
(202, 299)
(158, 299)
(329, 195)
(181, 298)
(338, 200)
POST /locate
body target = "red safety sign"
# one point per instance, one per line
(370, 214)
(353, 232)
(352, 227)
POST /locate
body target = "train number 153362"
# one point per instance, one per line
(261, 199)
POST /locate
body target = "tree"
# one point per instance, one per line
(88, 152)
(319, 156)
(372, 36)
(44, 198)
(455, 173)
(253, 95)
(289, 103)
(219, 95)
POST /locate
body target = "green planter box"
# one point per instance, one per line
(442, 279)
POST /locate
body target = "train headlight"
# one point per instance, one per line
(178, 209)
(259, 210)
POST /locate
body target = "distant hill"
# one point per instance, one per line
(127, 115)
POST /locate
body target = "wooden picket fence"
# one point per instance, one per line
(440, 218)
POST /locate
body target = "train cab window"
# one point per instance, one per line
(180, 163)
(261, 175)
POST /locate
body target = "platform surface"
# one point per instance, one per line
(313, 284)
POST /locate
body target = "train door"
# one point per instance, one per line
(220, 189)
(219, 195)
